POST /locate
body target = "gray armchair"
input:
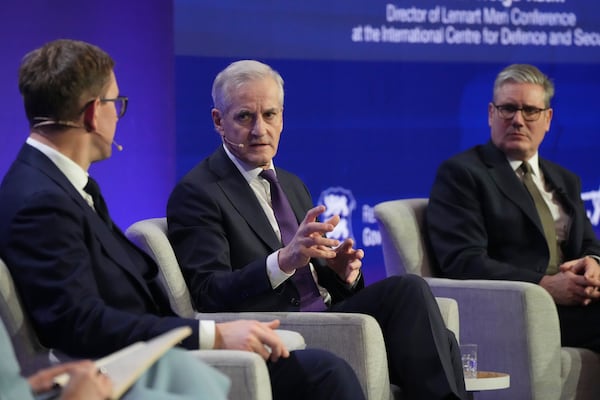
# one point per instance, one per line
(515, 324)
(355, 337)
(27, 347)
(248, 372)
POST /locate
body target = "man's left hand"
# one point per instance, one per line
(589, 268)
(347, 261)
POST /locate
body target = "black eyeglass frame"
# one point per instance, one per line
(529, 113)
(124, 100)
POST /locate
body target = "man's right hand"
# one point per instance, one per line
(308, 242)
(251, 336)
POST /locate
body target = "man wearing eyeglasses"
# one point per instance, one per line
(500, 211)
(88, 290)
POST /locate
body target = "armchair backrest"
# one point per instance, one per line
(25, 341)
(404, 247)
(150, 235)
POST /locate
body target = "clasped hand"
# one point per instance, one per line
(576, 283)
(310, 242)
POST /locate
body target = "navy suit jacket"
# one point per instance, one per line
(482, 223)
(88, 290)
(222, 238)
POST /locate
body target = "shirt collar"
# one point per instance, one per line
(74, 173)
(250, 173)
(534, 161)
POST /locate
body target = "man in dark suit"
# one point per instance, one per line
(247, 238)
(88, 290)
(483, 221)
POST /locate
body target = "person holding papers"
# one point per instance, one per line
(87, 382)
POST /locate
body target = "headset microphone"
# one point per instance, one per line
(240, 145)
(46, 121)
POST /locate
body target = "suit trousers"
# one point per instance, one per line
(313, 374)
(423, 355)
(580, 326)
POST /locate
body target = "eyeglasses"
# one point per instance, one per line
(529, 113)
(120, 104)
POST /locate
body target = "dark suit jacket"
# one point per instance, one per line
(482, 223)
(87, 289)
(222, 238)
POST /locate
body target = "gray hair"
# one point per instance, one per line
(525, 73)
(238, 73)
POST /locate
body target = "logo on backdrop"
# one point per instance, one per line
(593, 196)
(339, 201)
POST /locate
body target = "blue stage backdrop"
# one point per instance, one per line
(379, 93)
(139, 35)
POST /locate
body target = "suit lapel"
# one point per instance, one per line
(242, 198)
(509, 184)
(106, 237)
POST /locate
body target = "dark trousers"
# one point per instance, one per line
(580, 326)
(313, 374)
(423, 355)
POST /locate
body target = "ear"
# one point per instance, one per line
(217, 121)
(549, 114)
(490, 113)
(89, 116)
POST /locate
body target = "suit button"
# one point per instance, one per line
(295, 301)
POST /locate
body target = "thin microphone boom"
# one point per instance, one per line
(240, 145)
(47, 121)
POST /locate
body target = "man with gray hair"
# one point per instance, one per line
(247, 238)
(500, 211)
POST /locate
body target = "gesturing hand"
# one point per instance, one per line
(347, 261)
(308, 242)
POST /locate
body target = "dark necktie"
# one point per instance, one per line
(310, 298)
(93, 190)
(545, 218)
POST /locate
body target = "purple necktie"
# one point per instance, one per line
(310, 298)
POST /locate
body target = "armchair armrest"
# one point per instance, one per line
(357, 338)
(449, 310)
(247, 371)
(515, 325)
